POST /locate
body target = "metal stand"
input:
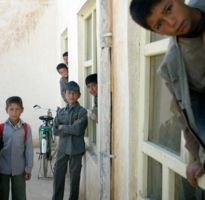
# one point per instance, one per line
(40, 175)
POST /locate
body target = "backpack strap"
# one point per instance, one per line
(1, 131)
(26, 131)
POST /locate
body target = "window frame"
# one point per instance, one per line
(91, 138)
(171, 163)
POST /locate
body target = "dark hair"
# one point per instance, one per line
(92, 78)
(14, 99)
(61, 65)
(65, 54)
(141, 9)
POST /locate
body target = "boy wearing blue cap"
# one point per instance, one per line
(183, 66)
(92, 84)
(69, 124)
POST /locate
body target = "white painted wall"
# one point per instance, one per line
(28, 57)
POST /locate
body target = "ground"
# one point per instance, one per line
(38, 189)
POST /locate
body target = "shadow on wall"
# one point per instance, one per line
(19, 19)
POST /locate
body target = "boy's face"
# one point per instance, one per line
(93, 88)
(72, 96)
(63, 72)
(14, 111)
(172, 17)
(65, 58)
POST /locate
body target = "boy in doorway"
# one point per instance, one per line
(17, 159)
(65, 58)
(92, 84)
(183, 66)
(69, 124)
(63, 71)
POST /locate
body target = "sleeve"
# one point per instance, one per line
(57, 132)
(62, 89)
(191, 143)
(77, 129)
(29, 150)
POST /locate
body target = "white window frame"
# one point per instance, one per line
(93, 64)
(171, 163)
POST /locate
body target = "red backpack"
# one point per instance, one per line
(24, 126)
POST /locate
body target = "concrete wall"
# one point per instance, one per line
(28, 57)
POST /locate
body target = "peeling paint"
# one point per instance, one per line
(18, 20)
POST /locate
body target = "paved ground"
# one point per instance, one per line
(42, 189)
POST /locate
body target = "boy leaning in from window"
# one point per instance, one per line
(92, 84)
(69, 124)
(183, 66)
(17, 159)
(63, 71)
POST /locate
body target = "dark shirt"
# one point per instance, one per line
(71, 140)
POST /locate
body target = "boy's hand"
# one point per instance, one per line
(28, 176)
(60, 127)
(95, 117)
(194, 171)
(76, 121)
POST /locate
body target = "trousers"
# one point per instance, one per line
(18, 187)
(75, 165)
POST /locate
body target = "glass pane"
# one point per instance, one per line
(156, 37)
(184, 191)
(88, 95)
(89, 38)
(154, 190)
(164, 129)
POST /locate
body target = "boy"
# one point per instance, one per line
(183, 66)
(65, 58)
(63, 71)
(17, 159)
(92, 85)
(70, 124)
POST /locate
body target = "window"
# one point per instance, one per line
(161, 172)
(90, 67)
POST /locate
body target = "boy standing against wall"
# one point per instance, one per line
(183, 66)
(69, 124)
(17, 159)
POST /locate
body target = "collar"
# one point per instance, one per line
(77, 105)
(18, 125)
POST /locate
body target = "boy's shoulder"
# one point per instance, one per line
(63, 79)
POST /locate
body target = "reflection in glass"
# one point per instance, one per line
(154, 191)
(89, 38)
(156, 37)
(163, 125)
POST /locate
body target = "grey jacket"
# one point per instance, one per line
(173, 70)
(71, 140)
(63, 82)
(17, 155)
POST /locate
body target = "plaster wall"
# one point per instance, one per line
(125, 90)
(28, 57)
(70, 18)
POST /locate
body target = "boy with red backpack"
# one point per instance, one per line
(16, 161)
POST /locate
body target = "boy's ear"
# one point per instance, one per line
(22, 110)
(6, 110)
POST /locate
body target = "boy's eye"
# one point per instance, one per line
(159, 25)
(169, 8)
